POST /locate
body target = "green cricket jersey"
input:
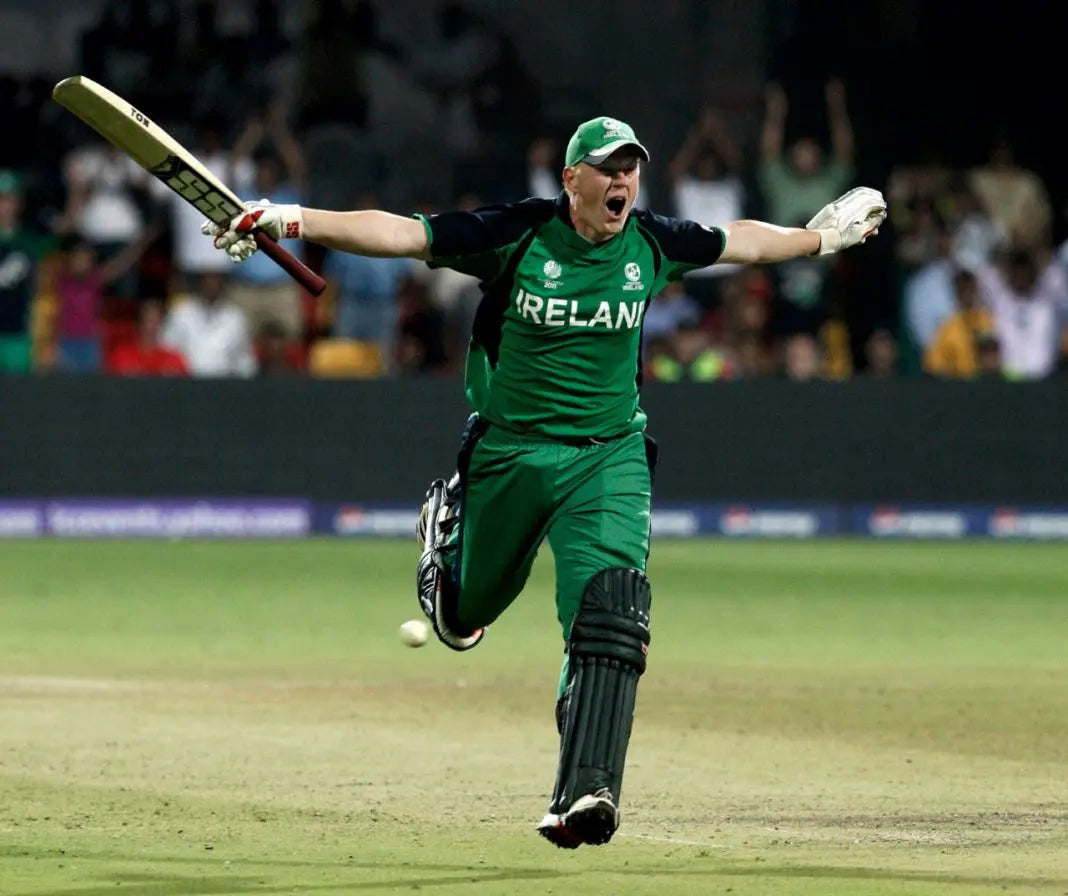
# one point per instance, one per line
(556, 345)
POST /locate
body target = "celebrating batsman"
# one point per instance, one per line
(556, 447)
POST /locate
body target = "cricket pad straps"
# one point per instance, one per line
(607, 648)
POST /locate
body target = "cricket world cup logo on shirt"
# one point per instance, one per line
(552, 271)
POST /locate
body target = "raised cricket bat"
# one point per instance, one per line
(161, 155)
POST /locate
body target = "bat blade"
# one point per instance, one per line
(161, 155)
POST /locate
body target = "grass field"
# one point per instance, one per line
(818, 718)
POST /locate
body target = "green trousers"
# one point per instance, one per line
(591, 501)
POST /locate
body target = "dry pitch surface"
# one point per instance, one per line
(818, 718)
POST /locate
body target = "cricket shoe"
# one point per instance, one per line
(592, 819)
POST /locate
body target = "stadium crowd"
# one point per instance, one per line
(102, 269)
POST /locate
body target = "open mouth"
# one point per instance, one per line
(616, 205)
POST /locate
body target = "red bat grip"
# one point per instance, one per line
(292, 265)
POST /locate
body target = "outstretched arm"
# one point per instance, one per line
(847, 221)
(753, 242)
(371, 232)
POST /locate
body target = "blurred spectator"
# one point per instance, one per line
(669, 311)
(953, 352)
(192, 253)
(801, 359)
(210, 331)
(795, 190)
(147, 356)
(1028, 306)
(658, 357)
(748, 318)
(258, 286)
(707, 188)
(801, 296)
(421, 336)
(930, 296)
(366, 290)
(754, 354)
(543, 169)
(276, 355)
(925, 238)
(977, 237)
(1014, 197)
(918, 198)
(105, 193)
(689, 354)
(834, 342)
(21, 252)
(79, 289)
(454, 295)
(880, 354)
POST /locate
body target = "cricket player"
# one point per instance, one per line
(557, 446)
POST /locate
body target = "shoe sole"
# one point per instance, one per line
(593, 823)
(591, 820)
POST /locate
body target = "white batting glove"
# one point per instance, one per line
(277, 221)
(849, 220)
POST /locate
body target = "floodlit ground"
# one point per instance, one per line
(818, 718)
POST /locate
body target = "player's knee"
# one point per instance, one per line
(612, 622)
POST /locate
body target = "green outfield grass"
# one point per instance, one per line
(818, 718)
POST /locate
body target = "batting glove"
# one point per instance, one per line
(849, 220)
(277, 221)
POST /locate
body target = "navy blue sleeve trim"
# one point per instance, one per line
(684, 241)
(485, 229)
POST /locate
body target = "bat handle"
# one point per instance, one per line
(289, 263)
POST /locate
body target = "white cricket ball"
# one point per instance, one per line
(414, 633)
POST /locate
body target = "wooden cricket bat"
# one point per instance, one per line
(161, 155)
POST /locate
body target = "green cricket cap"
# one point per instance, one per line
(10, 182)
(595, 140)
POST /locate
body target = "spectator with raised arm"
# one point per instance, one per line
(793, 184)
(79, 287)
(1028, 304)
(263, 290)
(706, 180)
(105, 188)
(797, 181)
